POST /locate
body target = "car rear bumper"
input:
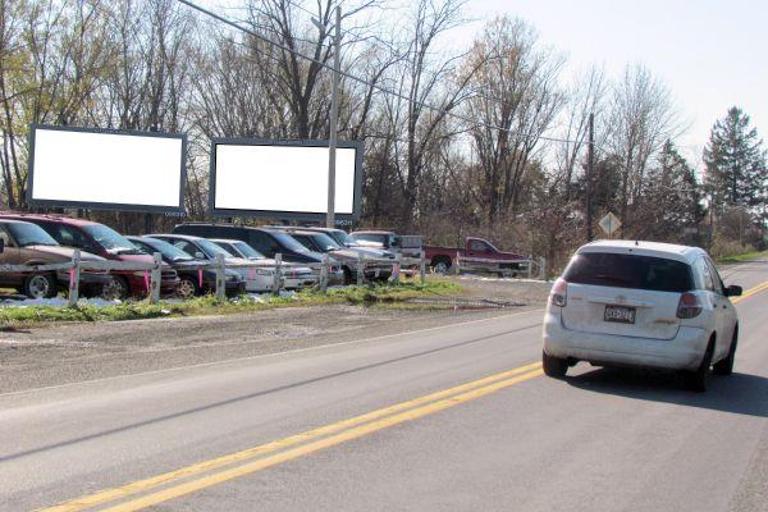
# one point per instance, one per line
(683, 352)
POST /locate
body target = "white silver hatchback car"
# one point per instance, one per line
(646, 304)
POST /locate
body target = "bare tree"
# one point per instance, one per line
(517, 99)
(643, 117)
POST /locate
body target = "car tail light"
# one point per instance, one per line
(689, 306)
(559, 294)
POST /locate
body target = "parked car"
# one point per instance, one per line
(346, 256)
(24, 243)
(105, 242)
(295, 276)
(194, 278)
(258, 278)
(266, 241)
(482, 254)
(408, 246)
(623, 303)
(343, 238)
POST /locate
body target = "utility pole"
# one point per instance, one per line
(590, 170)
(330, 219)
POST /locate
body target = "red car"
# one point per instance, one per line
(105, 242)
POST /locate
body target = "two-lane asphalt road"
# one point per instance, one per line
(457, 417)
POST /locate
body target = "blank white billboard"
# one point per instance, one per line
(281, 178)
(107, 169)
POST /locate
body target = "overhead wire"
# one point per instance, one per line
(441, 110)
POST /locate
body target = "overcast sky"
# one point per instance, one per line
(710, 53)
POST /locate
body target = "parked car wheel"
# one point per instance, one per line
(117, 288)
(554, 366)
(40, 286)
(441, 266)
(725, 367)
(188, 288)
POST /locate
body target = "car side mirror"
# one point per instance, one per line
(733, 291)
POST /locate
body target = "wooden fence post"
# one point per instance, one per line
(360, 270)
(221, 285)
(277, 278)
(423, 266)
(324, 273)
(155, 278)
(74, 279)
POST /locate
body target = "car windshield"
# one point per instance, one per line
(248, 251)
(629, 271)
(370, 237)
(112, 241)
(341, 237)
(169, 251)
(289, 242)
(27, 234)
(211, 249)
(325, 242)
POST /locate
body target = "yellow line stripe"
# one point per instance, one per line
(126, 491)
(347, 435)
(752, 291)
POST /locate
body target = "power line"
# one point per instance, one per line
(346, 74)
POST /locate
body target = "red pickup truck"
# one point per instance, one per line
(478, 255)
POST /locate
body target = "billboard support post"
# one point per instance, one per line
(330, 219)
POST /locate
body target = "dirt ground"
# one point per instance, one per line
(59, 354)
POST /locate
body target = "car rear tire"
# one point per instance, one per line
(698, 380)
(187, 288)
(555, 367)
(40, 286)
(725, 367)
(117, 288)
(441, 266)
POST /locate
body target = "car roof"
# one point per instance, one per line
(48, 217)
(15, 221)
(226, 240)
(372, 232)
(683, 253)
(174, 235)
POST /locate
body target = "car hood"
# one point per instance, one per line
(63, 253)
(344, 254)
(372, 252)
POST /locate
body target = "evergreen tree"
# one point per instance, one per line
(671, 198)
(735, 162)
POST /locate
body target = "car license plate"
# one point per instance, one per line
(620, 314)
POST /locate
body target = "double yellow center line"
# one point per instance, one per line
(160, 488)
(174, 484)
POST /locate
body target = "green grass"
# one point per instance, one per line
(14, 317)
(740, 258)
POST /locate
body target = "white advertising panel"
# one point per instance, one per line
(104, 169)
(292, 179)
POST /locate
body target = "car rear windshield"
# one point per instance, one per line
(630, 271)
